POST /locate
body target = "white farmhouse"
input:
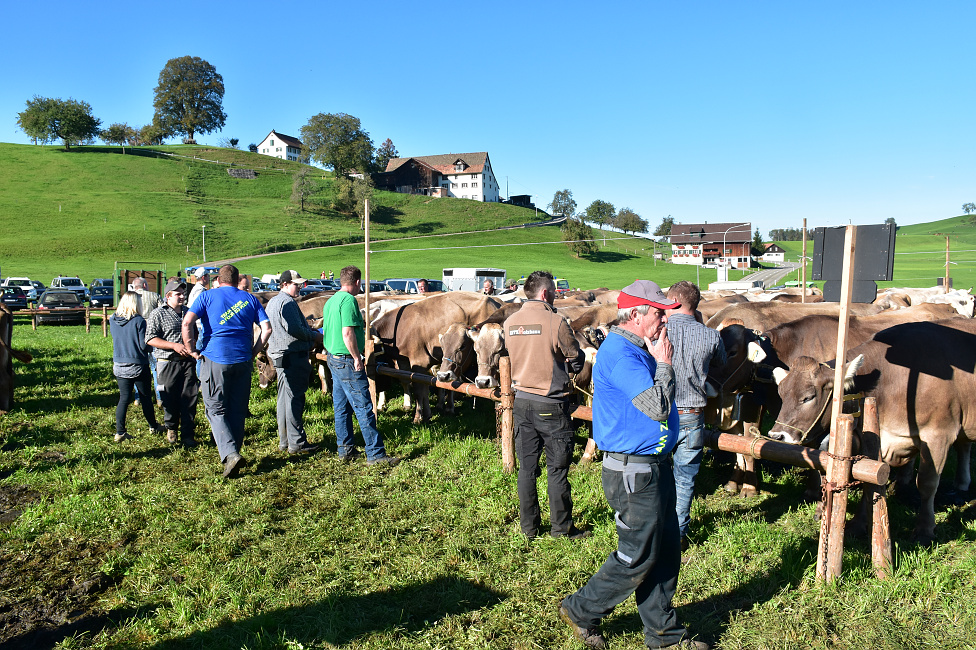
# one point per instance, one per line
(460, 175)
(774, 254)
(281, 146)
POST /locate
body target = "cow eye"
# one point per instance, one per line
(808, 398)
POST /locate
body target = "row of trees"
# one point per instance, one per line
(577, 233)
(188, 99)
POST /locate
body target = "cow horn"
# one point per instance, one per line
(779, 374)
(852, 369)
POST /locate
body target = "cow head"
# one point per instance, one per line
(458, 351)
(806, 390)
(488, 345)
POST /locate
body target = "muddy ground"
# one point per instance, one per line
(49, 588)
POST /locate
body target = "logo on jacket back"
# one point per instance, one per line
(525, 330)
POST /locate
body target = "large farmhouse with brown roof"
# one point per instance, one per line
(281, 146)
(703, 243)
(461, 175)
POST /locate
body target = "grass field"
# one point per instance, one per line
(138, 545)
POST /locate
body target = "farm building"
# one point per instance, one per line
(702, 243)
(459, 175)
(281, 146)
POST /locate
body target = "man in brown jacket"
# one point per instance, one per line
(541, 344)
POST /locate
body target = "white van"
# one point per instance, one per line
(473, 279)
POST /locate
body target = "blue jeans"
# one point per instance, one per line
(648, 553)
(350, 394)
(225, 392)
(687, 460)
(155, 377)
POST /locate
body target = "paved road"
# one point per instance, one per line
(772, 277)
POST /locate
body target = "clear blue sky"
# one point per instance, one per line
(766, 112)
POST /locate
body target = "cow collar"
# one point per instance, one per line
(848, 397)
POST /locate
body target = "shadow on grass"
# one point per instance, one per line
(387, 216)
(603, 257)
(422, 228)
(42, 638)
(341, 619)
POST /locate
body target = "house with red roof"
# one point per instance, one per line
(281, 146)
(459, 175)
(727, 244)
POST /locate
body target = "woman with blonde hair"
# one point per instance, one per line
(130, 363)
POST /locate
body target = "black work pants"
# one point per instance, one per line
(538, 426)
(179, 389)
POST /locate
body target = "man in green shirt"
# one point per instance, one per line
(345, 339)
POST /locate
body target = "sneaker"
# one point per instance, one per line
(282, 448)
(233, 464)
(157, 428)
(687, 644)
(304, 450)
(350, 456)
(171, 436)
(389, 461)
(188, 442)
(119, 437)
(532, 534)
(590, 637)
(572, 533)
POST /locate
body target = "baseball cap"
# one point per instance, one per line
(291, 276)
(175, 285)
(644, 292)
(200, 272)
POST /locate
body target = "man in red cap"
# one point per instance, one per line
(635, 422)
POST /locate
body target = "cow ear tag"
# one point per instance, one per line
(755, 352)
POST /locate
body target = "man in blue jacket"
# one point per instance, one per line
(635, 422)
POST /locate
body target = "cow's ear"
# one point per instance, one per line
(851, 373)
(779, 374)
(755, 352)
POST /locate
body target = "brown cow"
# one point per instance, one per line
(411, 335)
(764, 316)
(923, 376)
(7, 355)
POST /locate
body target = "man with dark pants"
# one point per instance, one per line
(345, 340)
(176, 368)
(636, 422)
(695, 348)
(541, 344)
(288, 348)
(228, 316)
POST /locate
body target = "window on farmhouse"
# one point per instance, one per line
(464, 184)
(474, 185)
(272, 143)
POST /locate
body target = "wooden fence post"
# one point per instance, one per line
(880, 526)
(507, 415)
(104, 321)
(87, 319)
(834, 514)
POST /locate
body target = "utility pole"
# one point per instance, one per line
(205, 244)
(945, 280)
(803, 262)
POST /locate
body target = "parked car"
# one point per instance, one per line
(102, 296)
(102, 282)
(409, 285)
(55, 303)
(314, 286)
(71, 284)
(562, 286)
(39, 288)
(25, 284)
(375, 285)
(14, 297)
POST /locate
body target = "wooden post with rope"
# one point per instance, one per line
(803, 265)
(507, 414)
(880, 525)
(369, 345)
(834, 510)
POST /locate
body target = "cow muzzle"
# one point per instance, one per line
(446, 376)
(485, 382)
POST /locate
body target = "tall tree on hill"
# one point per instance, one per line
(47, 119)
(629, 221)
(579, 237)
(304, 186)
(562, 203)
(600, 212)
(189, 97)
(337, 141)
(384, 154)
(664, 230)
(757, 243)
(969, 207)
(119, 133)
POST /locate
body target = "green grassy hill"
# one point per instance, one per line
(79, 212)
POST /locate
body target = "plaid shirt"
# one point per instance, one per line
(166, 323)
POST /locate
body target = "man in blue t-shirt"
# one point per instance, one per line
(228, 316)
(635, 422)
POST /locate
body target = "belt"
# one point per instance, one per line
(633, 458)
(341, 356)
(691, 409)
